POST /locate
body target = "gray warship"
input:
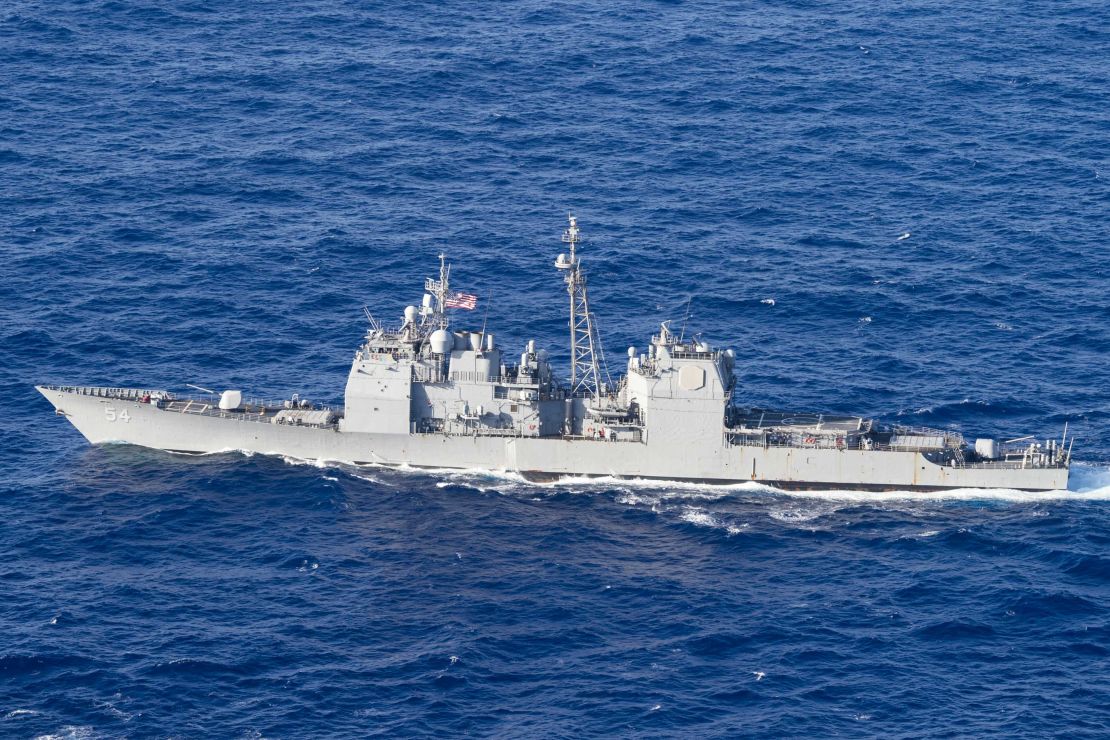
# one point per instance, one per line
(428, 395)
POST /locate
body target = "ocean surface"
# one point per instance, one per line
(891, 208)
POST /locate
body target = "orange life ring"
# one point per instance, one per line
(811, 440)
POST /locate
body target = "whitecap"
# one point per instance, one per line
(69, 732)
(700, 518)
(797, 515)
(630, 498)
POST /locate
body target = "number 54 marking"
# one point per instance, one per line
(111, 415)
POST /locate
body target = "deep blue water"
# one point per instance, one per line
(208, 193)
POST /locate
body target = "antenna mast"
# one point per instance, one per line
(584, 372)
(441, 290)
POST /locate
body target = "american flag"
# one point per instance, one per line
(462, 300)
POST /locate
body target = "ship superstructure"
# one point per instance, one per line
(427, 394)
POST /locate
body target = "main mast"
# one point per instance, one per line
(441, 290)
(585, 376)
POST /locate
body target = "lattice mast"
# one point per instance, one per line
(585, 374)
(441, 290)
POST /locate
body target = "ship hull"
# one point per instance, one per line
(103, 420)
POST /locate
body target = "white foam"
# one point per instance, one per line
(678, 488)
(20, 713)
(702, 518)
(955, 494)
(70, 732)
(221, 451)
(918, 410)
(1090, 482)
(320, 462)
(798, 515)
(115, 711)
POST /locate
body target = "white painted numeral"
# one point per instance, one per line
(111, 415)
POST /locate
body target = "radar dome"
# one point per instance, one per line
(631, 351)
(410, 314)
(231, 400)
(441, 341)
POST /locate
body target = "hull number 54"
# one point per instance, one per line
(112, 415)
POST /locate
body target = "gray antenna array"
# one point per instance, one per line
(585, 376)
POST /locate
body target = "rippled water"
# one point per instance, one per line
(887, 208)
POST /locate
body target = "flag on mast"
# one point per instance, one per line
(465, 301)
